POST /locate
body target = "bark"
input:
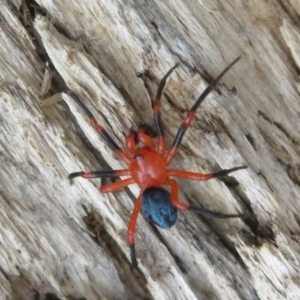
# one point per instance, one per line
(62, 241)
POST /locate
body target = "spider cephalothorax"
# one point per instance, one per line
(148, 167)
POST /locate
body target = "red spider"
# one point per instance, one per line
(148, 167)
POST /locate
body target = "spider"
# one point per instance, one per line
(148, 167)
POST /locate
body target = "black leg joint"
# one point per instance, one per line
(133, 257)
(214, 214)
(228, 171)
(73, 175)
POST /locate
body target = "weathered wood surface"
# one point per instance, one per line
(112, 54)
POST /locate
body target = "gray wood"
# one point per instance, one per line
(113, 54)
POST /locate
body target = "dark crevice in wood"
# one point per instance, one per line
(290, 11)
(229, 245)
(137, 285)
(277, 124)
(223, 241)
(177, 259)
(250, 140)
(265, 179)
(294, 173)
(173, 104)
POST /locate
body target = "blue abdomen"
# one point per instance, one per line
(157, 207)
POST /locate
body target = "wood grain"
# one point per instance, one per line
(69, 241)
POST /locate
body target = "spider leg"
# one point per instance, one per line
(157, 112)
(131, 141)
(214, 214)
(99, 174)
(112, 187)
(103, 133)
(190, 116)
(144, 134)
(146, 140)
(202, 177)
(132, 229)
(205, 212)
(174, 195)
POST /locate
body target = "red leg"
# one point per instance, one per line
(202, 177)
(103, 133)
(132, 229)
(202, 211)
(112, 187)
(157, 112)
(144, 134)
(131, 141)
(174, 195)
(100, 174)
(190, 116)
(145, 139)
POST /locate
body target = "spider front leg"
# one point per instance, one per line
(131, 141)
(205, 212)
(99, 174)
(102, 132)
(190, 116)
(144, 134)
(157, 112)
(107, 188)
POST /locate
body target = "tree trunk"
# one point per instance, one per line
(62, 241)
